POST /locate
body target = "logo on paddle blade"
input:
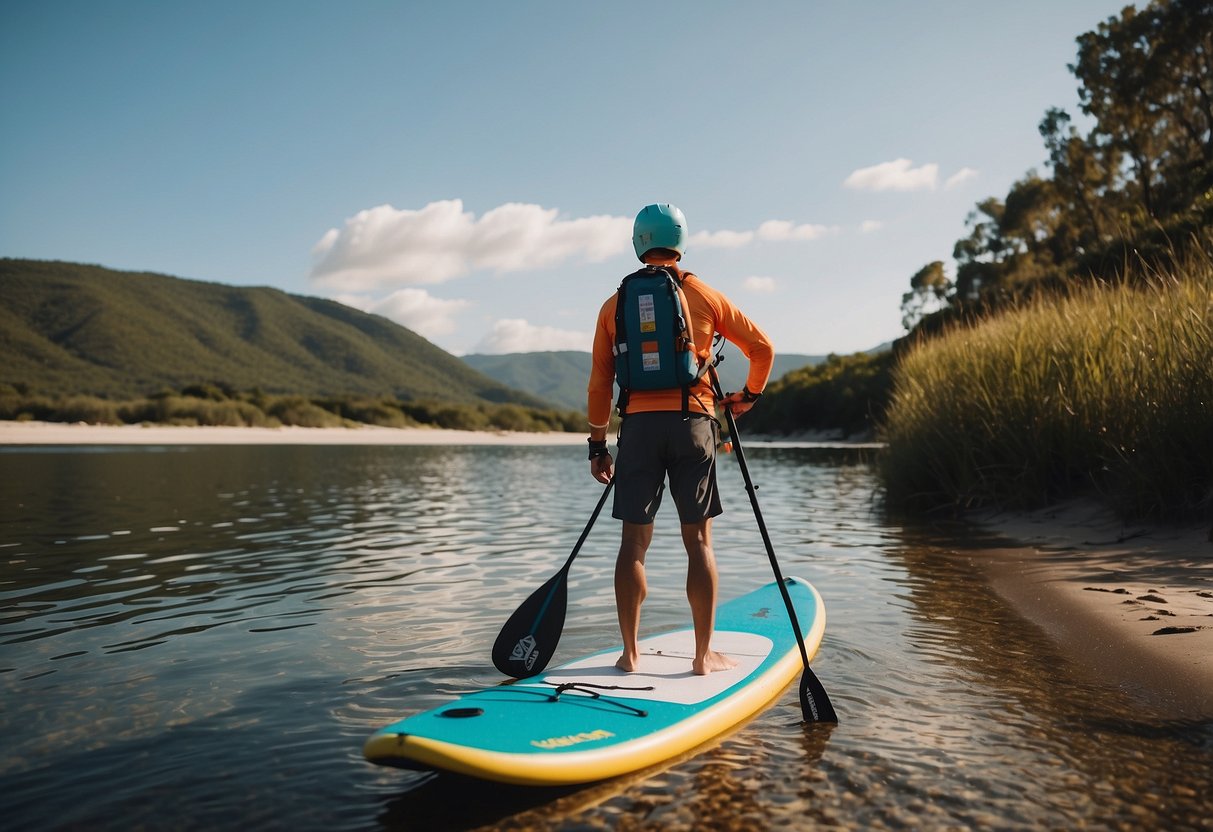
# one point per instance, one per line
(525, 651)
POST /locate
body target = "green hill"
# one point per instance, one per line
(561, 377)
(558, 377)
(69, 329)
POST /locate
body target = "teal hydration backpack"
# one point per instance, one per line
(653, 348)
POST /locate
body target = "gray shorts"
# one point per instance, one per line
(652, 445)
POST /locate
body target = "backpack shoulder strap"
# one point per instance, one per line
(686, 341)
(620, 348)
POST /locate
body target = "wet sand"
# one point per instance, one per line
(1132, 604)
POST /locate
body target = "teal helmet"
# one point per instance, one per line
(659, 226)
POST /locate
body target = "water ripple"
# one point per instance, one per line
(185, 630)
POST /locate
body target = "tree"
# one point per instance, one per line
(978, 256)
(929, 290)
(1084, 176)
(1147, 79)
(1137, 187)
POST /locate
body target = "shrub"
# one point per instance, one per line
(380, 412)
(217, 404)
(846, 393)
(88, 409)
(301, 412)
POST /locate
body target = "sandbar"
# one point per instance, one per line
(55, 433)
(1132, 604)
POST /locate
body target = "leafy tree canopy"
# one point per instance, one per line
(1137, 187)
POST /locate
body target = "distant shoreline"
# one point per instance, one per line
(80, 433)
(56, 433)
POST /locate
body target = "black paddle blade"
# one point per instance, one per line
(814, 703)
(528, 640)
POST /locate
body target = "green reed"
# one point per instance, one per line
(1105, 392)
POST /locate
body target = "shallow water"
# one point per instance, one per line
(195, 638)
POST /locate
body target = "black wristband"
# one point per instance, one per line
(598, 448)
(746, 395)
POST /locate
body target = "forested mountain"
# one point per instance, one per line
(558, 376)
(561, 377)
(69, 329)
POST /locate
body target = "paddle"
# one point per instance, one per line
(527, 641)
(814, 703)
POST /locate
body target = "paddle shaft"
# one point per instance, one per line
(586, 531)
(529, 637)
(766, 537)
(809, 705)
(564, 570)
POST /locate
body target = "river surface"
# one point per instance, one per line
(203, 637)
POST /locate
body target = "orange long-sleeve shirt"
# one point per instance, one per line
(709, 312)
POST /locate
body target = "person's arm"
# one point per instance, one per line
(755, 346)
(601, 386)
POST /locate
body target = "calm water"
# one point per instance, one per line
(200, 638)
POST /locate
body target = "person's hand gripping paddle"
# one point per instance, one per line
(528, 640)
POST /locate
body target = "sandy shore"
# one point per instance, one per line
(1131, 604)
(51, 433)
(79, 433)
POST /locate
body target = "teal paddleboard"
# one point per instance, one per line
(587, 720)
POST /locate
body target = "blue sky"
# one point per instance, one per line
(471, 169)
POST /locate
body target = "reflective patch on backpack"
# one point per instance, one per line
(648, 316)
(650, 360)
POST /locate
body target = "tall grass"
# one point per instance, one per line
(1107, 392)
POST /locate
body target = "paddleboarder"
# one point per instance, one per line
(669, 432)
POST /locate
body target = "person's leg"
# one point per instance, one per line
(631, 588)
(701, 592)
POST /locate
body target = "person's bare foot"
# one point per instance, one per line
(627, 663)
(711, 663)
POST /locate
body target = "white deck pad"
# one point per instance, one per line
(665, 665)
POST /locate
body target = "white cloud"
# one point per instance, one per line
(516, 335)
(416, 309)
(383, 247)
(898, 175)
(772, 230)
(961, 176)
(868, 226)
(759, 284)
(784, 230)
(722, 239)
(516, 236)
